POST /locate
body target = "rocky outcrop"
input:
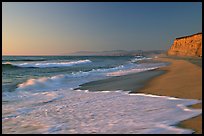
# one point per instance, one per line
(187, 46)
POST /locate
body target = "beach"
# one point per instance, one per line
(182, 80)
(104, 94)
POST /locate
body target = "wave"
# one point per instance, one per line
(73, 80)
(136, 68)
(125, 72)
(139, 58)
(48, 64)
(23, 59)
(9, 66)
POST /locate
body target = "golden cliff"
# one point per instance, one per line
(187, 46)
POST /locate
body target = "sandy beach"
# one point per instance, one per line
(182, 80)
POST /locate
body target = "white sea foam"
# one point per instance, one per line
(136, 69)
(125, 72)
(138, 58)
(73, 80)
(98, 112)
(46, 64)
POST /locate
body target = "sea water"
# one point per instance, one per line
(39, 96)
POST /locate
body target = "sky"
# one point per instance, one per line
(58, 28)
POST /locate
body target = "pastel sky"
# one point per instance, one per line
(37, 28)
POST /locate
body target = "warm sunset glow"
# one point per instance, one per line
(62, 28)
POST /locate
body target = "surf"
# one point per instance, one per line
(47, 64)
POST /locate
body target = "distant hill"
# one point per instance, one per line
(117, 53)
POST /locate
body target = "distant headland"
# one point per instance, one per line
(118, 53)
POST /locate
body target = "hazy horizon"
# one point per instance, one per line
(36, 29)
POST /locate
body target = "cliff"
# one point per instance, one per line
(187, 46)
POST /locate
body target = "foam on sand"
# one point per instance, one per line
(82, 111)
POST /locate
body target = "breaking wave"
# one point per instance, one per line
(46, 64)
(73, 80)
(138, 58)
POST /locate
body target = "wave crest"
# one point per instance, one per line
(49, 64)
(73, 80)
(139, 58)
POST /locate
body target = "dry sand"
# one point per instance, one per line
(182, 80)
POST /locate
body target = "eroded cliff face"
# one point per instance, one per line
(187, 46)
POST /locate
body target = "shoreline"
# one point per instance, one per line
(182, 68)
(178, 80)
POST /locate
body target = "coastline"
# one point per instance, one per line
(130, 82)
(181, 75)
(181, 79)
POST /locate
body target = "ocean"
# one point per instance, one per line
(45, 94)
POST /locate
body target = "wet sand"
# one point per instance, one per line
(182, 80)
(131, 82)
